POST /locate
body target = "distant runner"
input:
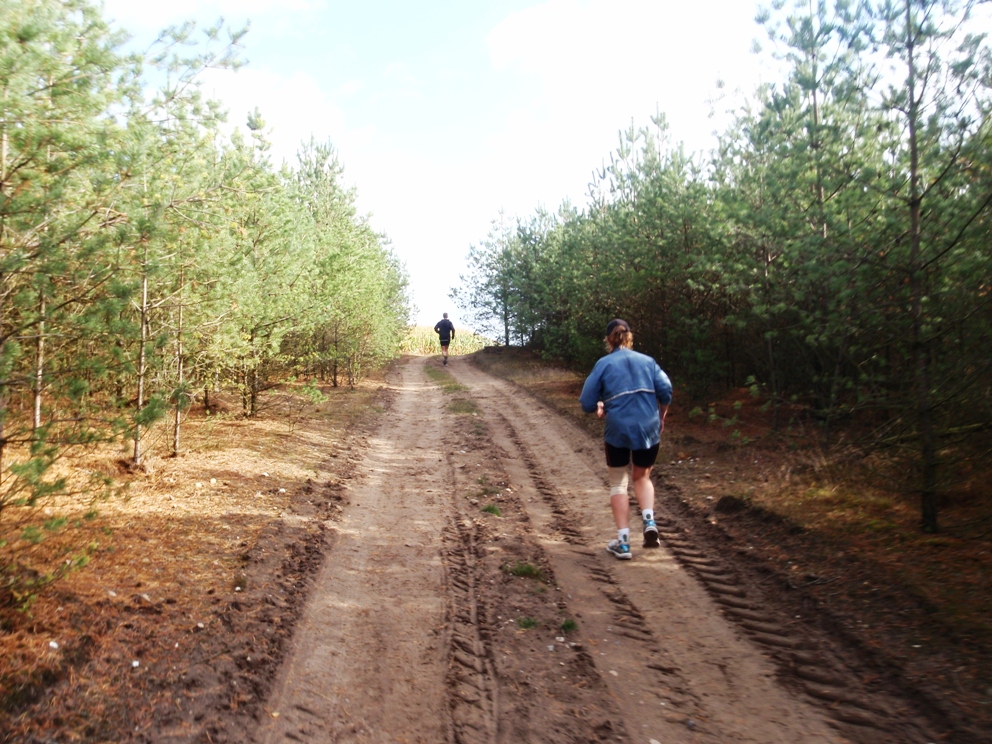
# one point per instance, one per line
(445, 330)
(631, 392)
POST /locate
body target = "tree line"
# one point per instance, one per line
(833, 250)
(150, 258)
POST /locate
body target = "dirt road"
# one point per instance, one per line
(435, 621)
(368, 656)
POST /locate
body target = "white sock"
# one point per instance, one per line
(647, 514)
(624, 534)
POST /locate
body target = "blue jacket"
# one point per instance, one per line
(631, 385)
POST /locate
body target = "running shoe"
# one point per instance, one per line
(620, 549)
(651, 539)
(446, 361)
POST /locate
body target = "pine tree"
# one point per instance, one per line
(62, 168)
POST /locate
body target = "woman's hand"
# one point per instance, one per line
(600, 410)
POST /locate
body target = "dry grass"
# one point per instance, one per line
(422, 341)
(172, 540)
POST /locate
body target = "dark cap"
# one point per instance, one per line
(614, 323)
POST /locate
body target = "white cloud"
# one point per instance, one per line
(352, 87)
(140, 16)
(293, 107)
(585, 70)
(602, 62)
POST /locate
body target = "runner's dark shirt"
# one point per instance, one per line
(445, 329)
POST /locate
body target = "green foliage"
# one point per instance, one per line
(568, 626)
(23, 586)
(441, 377)
(56, 523)
(492, 509)
(355, 310)
(526, 623)
(463, 406)
(151, 412)
(832, 253)
(490, 292)
(524, 569)
(149, 258)
(300, 398)
(486, 488)
(32, 534)
(313, 394)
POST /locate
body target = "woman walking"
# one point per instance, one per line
(632, 393)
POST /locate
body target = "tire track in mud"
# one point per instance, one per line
(506, 683)
(413, 630)
(627, 620)
(565, 523)
(816, 672)
(808, 662)
(416, 630)
(711, 684)
(473, 691)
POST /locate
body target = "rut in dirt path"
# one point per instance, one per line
(410, 633)
(655, 632)
(367, 662)
(677, 621)
(423, 625)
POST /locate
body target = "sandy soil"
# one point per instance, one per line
(432, 620)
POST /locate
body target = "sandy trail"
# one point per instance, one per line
(367, 662)
(380, 652)
(680, 647)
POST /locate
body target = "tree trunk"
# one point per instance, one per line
(253, 391)
(506, 322)
(39, 363)
(834, 392)
(245, 408)
(141, 368)
(4, 399)
(3, 230)
(815, 144)
(337, 350)
(177, 421)
(772, 379)
(769, 344)
(921, 350)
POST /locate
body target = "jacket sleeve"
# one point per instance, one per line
(437, 328)
(591, 390)
(662, 386)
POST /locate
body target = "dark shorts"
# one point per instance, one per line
(444, 343)
(619, 457)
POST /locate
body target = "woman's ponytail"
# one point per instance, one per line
(619, 337)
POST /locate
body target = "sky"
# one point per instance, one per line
(447, 113)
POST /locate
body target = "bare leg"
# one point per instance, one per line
(643, 487)
(621, 510)
(643, 491)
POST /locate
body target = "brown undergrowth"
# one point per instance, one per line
(198, 568)
(841, 529)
